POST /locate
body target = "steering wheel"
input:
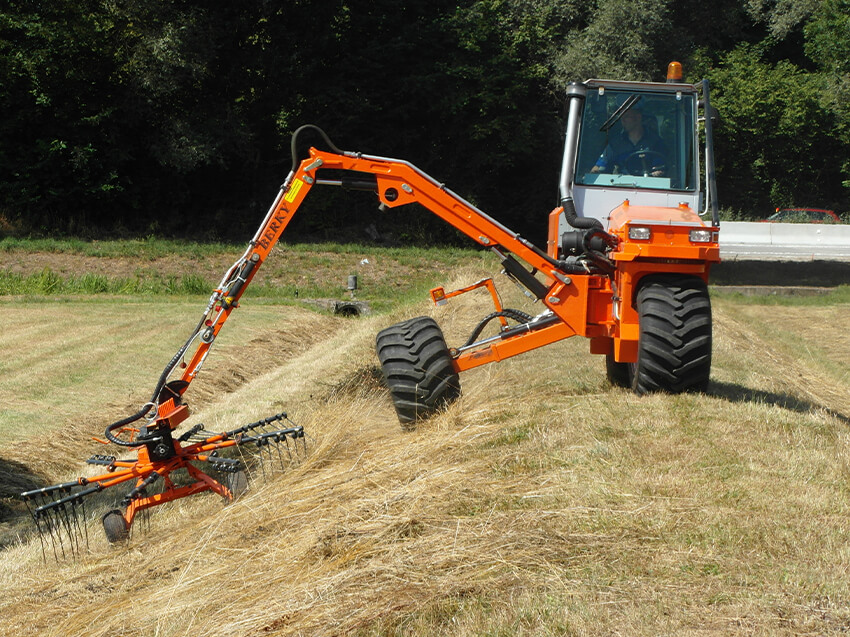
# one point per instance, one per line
(642, 162)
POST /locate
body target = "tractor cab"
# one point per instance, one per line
(637, 142)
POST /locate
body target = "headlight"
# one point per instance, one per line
(639, 233)
(700, 236)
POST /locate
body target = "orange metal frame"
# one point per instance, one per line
(596, 306)
(441, 297)
(169, 415)
(585, 305)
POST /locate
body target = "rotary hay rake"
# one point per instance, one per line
(165, 469)
(163, 461)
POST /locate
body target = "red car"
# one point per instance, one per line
(804, 215)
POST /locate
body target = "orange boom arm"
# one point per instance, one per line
(399, 183)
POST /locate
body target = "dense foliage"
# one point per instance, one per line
(174, 117)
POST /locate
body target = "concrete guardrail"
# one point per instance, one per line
(784, 234)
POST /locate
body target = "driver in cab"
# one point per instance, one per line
(637, 150)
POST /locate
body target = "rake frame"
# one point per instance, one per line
(158, 455)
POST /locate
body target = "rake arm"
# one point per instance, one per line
(225, 465)
(190, 433)
(56, 511)
(72, 500)
(104, 461)
(273, 436)
(140, 489)
(42, 493)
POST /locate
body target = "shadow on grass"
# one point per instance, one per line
(779, 273)
(740, 394)
(15, 521)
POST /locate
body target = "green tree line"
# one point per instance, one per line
(174, 117)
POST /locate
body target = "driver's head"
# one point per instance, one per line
(632, 119)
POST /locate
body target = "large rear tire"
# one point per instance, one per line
(619, 374)
(674, 347)
(417, 368)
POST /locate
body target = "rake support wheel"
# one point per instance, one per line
(115, 527)
(417, 367)
(674, 348)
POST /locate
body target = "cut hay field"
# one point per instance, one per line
(543, 502)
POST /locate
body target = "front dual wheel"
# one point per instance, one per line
(674, 346)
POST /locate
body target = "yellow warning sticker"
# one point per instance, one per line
(293, 191)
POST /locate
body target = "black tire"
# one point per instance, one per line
(619, 374)
(674, 347)
(115, 527)
(417, 368)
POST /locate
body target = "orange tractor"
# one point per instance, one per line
(628, 251)
(626, 265)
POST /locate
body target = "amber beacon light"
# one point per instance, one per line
(674, 72)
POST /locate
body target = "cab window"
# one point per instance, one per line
(637, 140)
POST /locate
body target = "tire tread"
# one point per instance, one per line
(417, 367)
(674, 351)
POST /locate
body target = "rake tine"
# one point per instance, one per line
(41, 540)
(279, 454)
(146, 520)
(75, 527)
(66, 526)
(275, 443)
(144, 514)
(296, 432)
(50, 526)
(42, 531)
(261, 459)
(271, 447)
(40, 535)
(51, 529)
(85, 517)
(258, 453)
(295, 435)
(56, 528)
(302, 452)
(303, 441)
(288, 449)
(267, 443)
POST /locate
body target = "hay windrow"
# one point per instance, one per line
(541, 502)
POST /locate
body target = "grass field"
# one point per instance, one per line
(543, 502)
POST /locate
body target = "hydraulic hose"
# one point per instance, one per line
(168, 368)
(153, 401)
(602, 262)
(294, 143)
(518, 315)
(608, 239)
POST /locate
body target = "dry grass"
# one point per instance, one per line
(543, 502)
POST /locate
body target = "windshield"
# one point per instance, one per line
(637, 139)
